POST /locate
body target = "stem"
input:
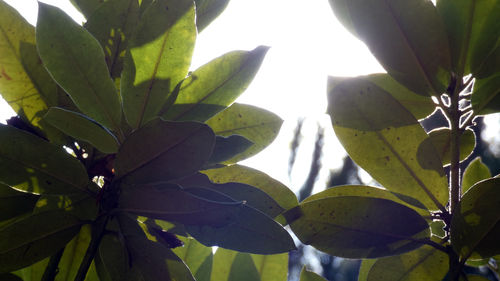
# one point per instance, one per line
(51, 270)
(97, 233)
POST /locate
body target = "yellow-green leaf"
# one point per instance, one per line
(306, 275)
(486, 95)
(207, 11)
(441, 140)
(475, 172)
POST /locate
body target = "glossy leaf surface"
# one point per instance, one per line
(112, 24)
(476, 171)
(215, 85)
(238, 173)
(82, 128)
(469, 29)
(486, 95)
(476, 230)
(207, 11)
(14, 203)
(425, 263)
(33, 165)
(386, 140)
(249, 231)
(163, 150)
(441, 140)
(255, 124)
(358, 227)
(231, 265)
(306, 275)
(35, 237)
(158, 58)
(252, 196)
(413, 51)
(76, 61)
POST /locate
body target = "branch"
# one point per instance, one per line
(98, 230)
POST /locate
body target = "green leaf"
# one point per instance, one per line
(81, 205)
(306, 275)
(369, 191)
(215, 85)
(149, 259)
(486, 95)
(30, 239)
(87, 7)
(475, 231)
(158, 58)
(76, 61)
(112, 259)
(238, 173)
(490, 64)
(207, 11)
(476, 278)
(33, 165)
(82, 128)
(364, 269)
(470, 26)
(255, 124)
(15, 203)
(195, 255)
(231, 265)
(16, 87)
(252, 196)
(112, 24)
(10, 277)
(163, 150)
(227, 147)
(249, 231)
(385, 139)
(475, 172)
(425, 263)
(441, 140)
(407, 37)
(358, 227)
(170, 202)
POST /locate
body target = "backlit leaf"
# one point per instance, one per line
(255, 124)
(252, 196)
(441, 140)
(163, 150)
(207, 11)
(87, 7)
(306, 275)
(425, 263)
(158, 58)
(486, 95)
(471, 29)
(33, 165)
(475, 231)
(227, 147)
(14, 203)
(76, 61)
(249, 231)
(364, 269)
(80, 205)
(82, 128)
(238, 173)
(386, 140)
(407, 37)
(195, 255)
(35, 237)
(358, 227)
(215, 85)
(112, 25)
(476, 171)
(112, 259)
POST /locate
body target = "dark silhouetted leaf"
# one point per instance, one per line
(475, 231)
(486, 95)
(255, 124)
(425, 263)
(238, 173)
(475, 172)
(30, 239)
(228, 147)
(385, 139)
(82, 128)
(358, 227)
(441, 140)
(14, 203)
(306, 275)
(163, 150)
(81, 205)
(76, 61)
(31, 164)
(215, 85)
(207, 11)
(252, 196)
(413, 51)
(158, 58)
(87, 7)
(112, 259)
(10, 277)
